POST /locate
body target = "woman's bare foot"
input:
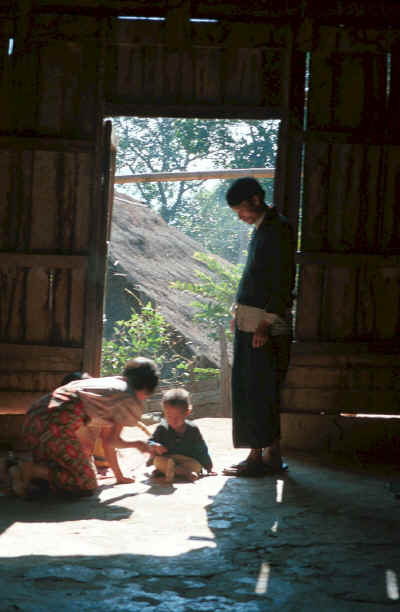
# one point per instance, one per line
(20, 476)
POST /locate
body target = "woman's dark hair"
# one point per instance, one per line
(74, 376)
(244, 189)
(141, 373)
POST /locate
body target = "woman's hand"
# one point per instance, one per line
(143, 447)
(124, 480)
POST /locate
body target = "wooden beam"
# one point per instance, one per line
(119, 107)
(17, 402)
(51, 260)
(46, 143)
(381, 260)
(158, 177)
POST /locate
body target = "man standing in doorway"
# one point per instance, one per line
(262, 325)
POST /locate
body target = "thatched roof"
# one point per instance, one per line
(145, 256)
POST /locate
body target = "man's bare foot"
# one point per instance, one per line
(254, 456)
(271, 456)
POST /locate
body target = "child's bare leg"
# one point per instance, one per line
(188, 467)
(189, 475)
(166, 465)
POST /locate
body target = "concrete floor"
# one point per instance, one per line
(322, 538)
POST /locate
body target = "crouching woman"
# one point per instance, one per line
(54, 429)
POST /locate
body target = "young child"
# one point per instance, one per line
(53, 426)
(177, 445)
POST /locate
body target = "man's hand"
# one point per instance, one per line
(260, 335)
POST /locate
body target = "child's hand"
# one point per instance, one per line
(210, 472)
(158, 449)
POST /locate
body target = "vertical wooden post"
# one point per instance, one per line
(225, 376)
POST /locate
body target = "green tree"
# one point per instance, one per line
(147, 145)
(146, 333)
(165, 144)
(215, 291)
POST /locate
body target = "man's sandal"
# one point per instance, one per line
(250, 469)
(271, 470)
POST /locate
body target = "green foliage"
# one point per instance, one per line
(146, 333)
(165, 144)
(215, 290)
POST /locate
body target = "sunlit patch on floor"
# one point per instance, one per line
(263, 578)
(279, 491)
(392, 586)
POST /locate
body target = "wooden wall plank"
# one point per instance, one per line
(338, 304)
(343, 197)
(393, 115)
(12, 294)
(40, 304)
(348, 80)
(309, 302)
(223, 66)
(7, 210)
(316, 192)
(44, 227)
(6, 109)
(355, 378)
(343, 187)
(207, 79)
(15, 199)
(60, 313)
(386, 294)
(59, 219)
(348, 302)
(37, 305)
(77, 282)
(151, 85)
(32, 381)
(334, 401)
(34, 358)
(17, 402)
(389, 229)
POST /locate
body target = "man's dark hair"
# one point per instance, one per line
(244, 189)
(141, 373)
(177, 397)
